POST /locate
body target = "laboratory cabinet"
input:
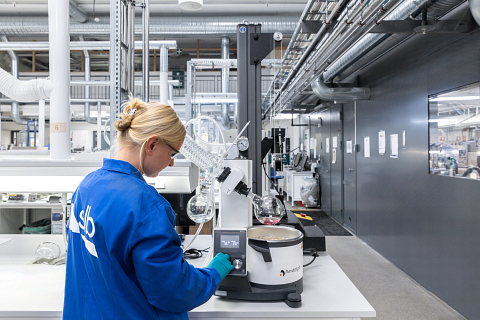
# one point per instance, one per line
(15, 214)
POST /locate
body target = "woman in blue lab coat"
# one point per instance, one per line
(124, 258)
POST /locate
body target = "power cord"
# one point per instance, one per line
(194, 253)
(311, 251)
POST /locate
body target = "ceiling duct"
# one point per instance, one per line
(76, 13)
(475, 9)
(371, 40)
(177, 27)
(344, 94)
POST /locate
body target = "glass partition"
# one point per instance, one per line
(454, 132)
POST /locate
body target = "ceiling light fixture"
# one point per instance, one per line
(190, 5)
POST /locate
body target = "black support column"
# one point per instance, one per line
(252, 48)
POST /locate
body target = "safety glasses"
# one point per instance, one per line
(175, 151)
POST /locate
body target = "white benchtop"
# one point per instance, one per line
(36, 291)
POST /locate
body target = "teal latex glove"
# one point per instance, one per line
(222, 264)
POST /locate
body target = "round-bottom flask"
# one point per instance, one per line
(268, 210)
(201, 207)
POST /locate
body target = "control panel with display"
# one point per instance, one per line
(234, 243)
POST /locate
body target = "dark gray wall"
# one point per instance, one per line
(427, 225)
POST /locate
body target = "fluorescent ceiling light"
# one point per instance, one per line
(475, 119)
(461, 98)
(190, 5)
(213, 100)
(450, 121)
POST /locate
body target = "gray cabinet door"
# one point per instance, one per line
(325, 152)
(349, 167)
(336, 162)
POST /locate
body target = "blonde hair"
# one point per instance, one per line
(142, 120)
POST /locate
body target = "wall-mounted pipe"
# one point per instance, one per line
(332, 94)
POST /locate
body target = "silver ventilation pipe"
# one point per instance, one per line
(475, 9)
(15, 111)
(76, 13)
(225, 50)
(437, 11)
(332, 94)
(175, 27)
(371, 40)
(81, 45)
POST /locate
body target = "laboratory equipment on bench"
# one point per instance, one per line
(200, 208)
(272, 257)
(268, 259)
(234, 243)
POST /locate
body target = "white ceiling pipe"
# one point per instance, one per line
(81, 45)
(24, 91)
(59, 59)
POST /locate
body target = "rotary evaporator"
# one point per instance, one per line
(267, 259)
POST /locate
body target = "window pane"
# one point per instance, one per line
(454, 128)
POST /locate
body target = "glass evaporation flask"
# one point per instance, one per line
(268, 210)
(201, 207)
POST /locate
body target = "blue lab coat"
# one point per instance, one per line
(124, 258)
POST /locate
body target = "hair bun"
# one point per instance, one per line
(124, 123)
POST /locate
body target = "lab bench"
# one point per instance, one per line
(30, 291)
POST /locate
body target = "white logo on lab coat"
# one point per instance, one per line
(87, 225)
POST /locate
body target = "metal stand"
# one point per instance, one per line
(252, 47)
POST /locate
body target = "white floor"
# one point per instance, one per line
(392, 293)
